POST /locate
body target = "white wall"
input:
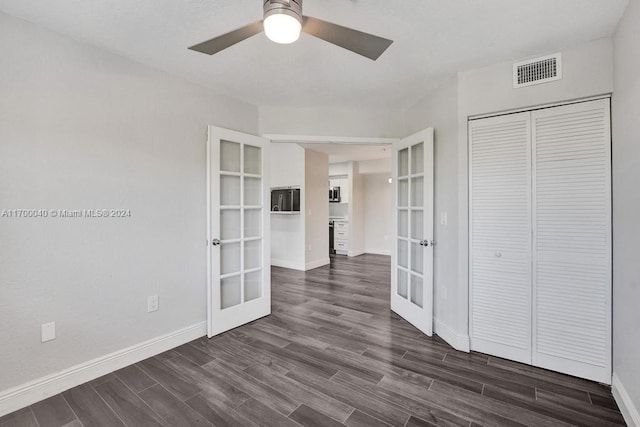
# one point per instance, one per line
(84, 129)
(626, 207)
(316, 209)
(339, 169)
(356, 211)
(332, 122)
(377, 213)
(375, 166)
(287, 231)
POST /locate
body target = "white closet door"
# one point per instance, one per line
(572, 243)
(500, 230)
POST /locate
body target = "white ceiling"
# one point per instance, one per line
(432, 39)
(339, 153)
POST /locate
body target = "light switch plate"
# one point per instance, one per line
(152, 303)
(444, 218)
(48, 331)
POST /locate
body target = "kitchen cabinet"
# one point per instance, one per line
(343, 183)
(341, 237)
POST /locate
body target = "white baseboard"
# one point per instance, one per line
(34, 391)
(629, 411)
(318, 263)
(378, 251)
(458, 341)
(287, 264)
(356, 252)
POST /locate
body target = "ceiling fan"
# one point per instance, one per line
(282, 23)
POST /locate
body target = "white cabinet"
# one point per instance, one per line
(341, 237)
(540, 238)
(343, 183)
(344, 190)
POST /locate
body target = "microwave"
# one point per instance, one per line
(285, 199)
(334, 194)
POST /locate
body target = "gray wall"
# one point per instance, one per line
(82, 128)
(626, 204)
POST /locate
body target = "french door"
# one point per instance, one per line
(412, 257)
(238, 255)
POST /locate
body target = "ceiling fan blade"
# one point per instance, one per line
(356, 41)
(224, 41)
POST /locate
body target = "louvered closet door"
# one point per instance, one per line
(572, 243)
(500, 230)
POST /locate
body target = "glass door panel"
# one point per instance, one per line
(403, 254)
(417, 192)
(229, 190)
(229, 156)
(417, 158)
(252, 285)
(403, 285)
(252, 254)
(252, 223)
(229, 258)
(403, 223)
(252, 160)
(403, 192)
(403, 162)
(230, 291)
(229, 224)
(416, 290)
(252, 191)
(417, 224)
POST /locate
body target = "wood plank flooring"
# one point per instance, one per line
(331, 354)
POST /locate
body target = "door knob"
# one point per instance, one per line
(215, 242)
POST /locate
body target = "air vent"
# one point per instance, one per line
(539, 70)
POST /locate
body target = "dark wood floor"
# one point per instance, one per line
(330, 354)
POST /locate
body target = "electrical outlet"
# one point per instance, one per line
(152, 303)
(48, 331)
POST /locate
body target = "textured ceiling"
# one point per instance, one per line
(432, 38)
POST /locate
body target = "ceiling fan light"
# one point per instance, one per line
(282, 28)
